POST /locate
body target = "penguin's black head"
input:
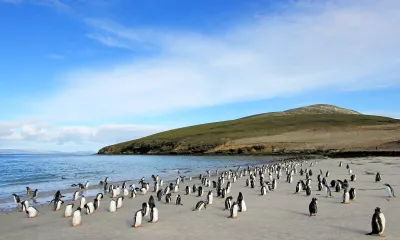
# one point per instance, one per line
(79, 208)
(27, 212)
(85, 206)
(377, 210)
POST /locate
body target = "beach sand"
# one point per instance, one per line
(280, 214)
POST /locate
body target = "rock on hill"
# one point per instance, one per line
(311, 129)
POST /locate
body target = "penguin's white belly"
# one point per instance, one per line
(68, 212)
(389, 192)
(210, 199)
(244, 207)
(76, 219)
(155, 215)
(113, 206)
(126, 192)
(383, 220)
(137, 220)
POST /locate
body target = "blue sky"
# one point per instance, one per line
(78, 75)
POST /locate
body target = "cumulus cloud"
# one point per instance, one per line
(342, 45)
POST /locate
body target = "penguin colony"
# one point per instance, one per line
(265, 175)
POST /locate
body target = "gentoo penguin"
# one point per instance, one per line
(151, 202)
(187, 190)
(263, 191)
(350, 171)
(87, 185)
(378, 177)
(89, 208)
(83, 202)
(194, 188)
(389, 191)
(200, 191)
(308, 190)
(178, 200)
(242, 206)
(99, 196)
(156, 187)
(68, 210)
(17, 199)
(126, 192)
(247, 182)
(145, 209)
(327, 174)
(210, 197)
(223, 193)
(35, 194)
(113, 206)
(252, 183)
(234, 210)
(299, 187)
(120, 200)
(57, 205)
(77, 217)
(328, 192)
(320, 186)
(228, 202)
(25, 205)
(105, 187)
(153, 215)
(313, 207)
(159, 195)
(340, 164)
(168, 198)
(166, 190)
(132, 193)
(353, 178)
(378, 223)
(176, 188)
(338, 187)
(352, 193)
(346, 197)
(200, 205)
(96, 203)
(28, 191)
(143, 191)
(75, 196)
(333, 183)
(273, 184)
(32, 212)
(347, 166)
(137, 219)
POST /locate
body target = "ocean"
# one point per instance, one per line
(49, 173)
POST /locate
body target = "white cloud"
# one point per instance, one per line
(334, 45)
(14, 133)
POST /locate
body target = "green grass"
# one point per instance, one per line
(219, 132)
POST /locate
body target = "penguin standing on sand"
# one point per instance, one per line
(263, 191)
(178, 200)
(378, 177)
(378, 223)
(313, 209)
(352, 193)
(25, 205)
(145, 209)
(320, 186)
(159, 195)
(113, 206)
(75, 196)
(200, 205)
(210, 197)
(353, 178)
(17, 199)
(83, 202)
(153, 215)
(151, 202)
(187, 190)
(308, 190)
(389, 191)
(328, 192)
(35, 195)
(346, 197)
(32, 212)
(200, 191)
(228, 202)
(137, 219)
(96, 203)
(234, 210)
(194, 188)
(89, 208)
(57, 205)
(168, 198)
(68, 210)
(77, 217)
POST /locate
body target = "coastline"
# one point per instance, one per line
(279, 214)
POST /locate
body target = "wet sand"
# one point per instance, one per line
(280, 214)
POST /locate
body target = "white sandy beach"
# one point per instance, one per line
(280, 214)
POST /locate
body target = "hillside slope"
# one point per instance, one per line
(307, 129)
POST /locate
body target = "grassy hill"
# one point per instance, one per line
(306, 129)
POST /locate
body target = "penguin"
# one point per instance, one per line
(96, 204)
(350, 171)
(159, 195)
(83, 202)
(99, 196)
(242, 206)
(166, 190)
(228, 202)
(378, 177)
(308, 190)
(137, 219)
(120, 200)
(75, 196)
(200, 192)
(389, 190)
(126, 192)
(168, 198)
(151, 202)
(89, 208)
(263, 191)
(176, 188)
(187, 190)
(347, 166)
(247, 182)
(132, 193)
(200, 205)
(143, 191)
(378, 223)
(156, 187)
(299, 187)
(178, 200)
(340, 164)
(28, 191)
(333, 183)
(32, 212)
(68, 210)
(328, 192)
(274, 184)
(234, 210)
(313, 209)
(352, 193)
(77, 217)
(194, 188)
(17, 199)
(320, 186)
(353, 178)
(25, 205)
(145, 209)
(346, 197)
(35, 194)
(105, 186)
(327, 174)
(153, 215)
(338, 187)
(252, 183)
(210, 197)
(87, 185)
(57, 205)
(113, 206)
